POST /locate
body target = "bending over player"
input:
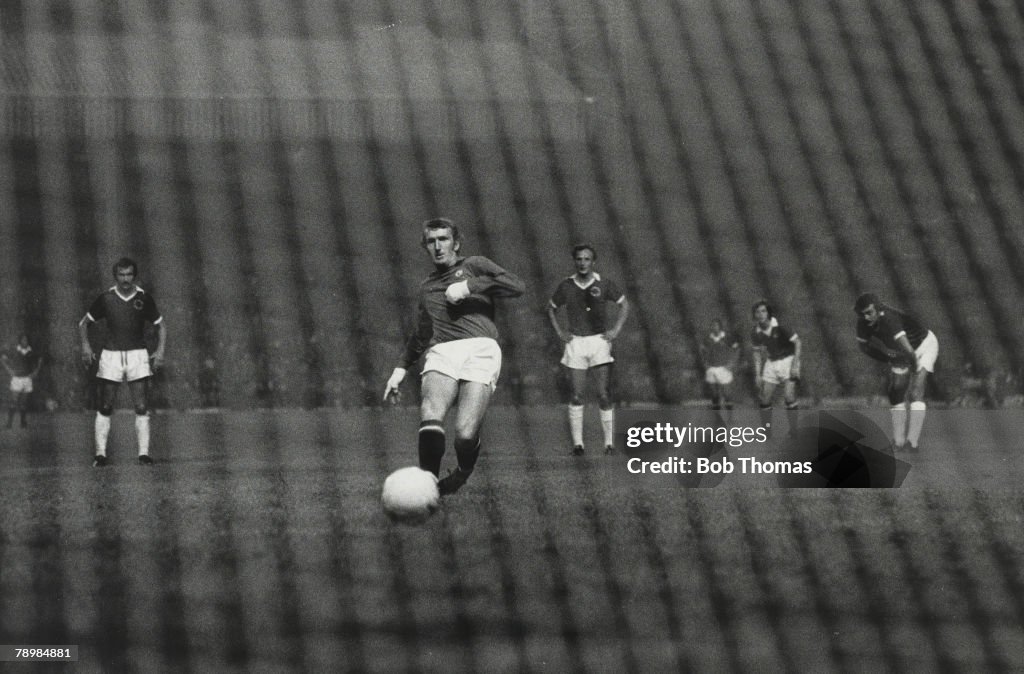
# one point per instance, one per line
(455, 327)
(894, 337)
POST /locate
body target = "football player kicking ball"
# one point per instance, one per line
(124, 359)
(896, 338)
(455, 327)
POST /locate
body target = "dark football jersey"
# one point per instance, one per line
(126, 317)
(586, 305)
(777, 341)
(891, 324)
(720, 349)
(439, 321)
(22, 360)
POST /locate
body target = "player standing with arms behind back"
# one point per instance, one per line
(588, 341)
(124, 359)
(776, 352)
(23, 364)
(455, 327)
(720, 354)
(896, 338)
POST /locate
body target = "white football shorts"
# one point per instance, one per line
(777, 371)
(472, 359)
(123, 366)
(927, 353)
(583, 353)
(21, 384)
(718, 374)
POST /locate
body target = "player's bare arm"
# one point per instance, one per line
(794, 369)
(908, 355)
(562, 333)
(620, 320)
(158, 355)
(83, 331)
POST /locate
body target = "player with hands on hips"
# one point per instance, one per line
(586, 296)
(124, 359)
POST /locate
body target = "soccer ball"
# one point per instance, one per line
(410, 495)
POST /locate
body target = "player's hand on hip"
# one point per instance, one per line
(158, 360)
(88, 357)
(457, 292)
(610, 335)
(391, 390)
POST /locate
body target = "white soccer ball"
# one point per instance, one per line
(410, 495)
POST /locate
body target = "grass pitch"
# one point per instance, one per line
(256, 543)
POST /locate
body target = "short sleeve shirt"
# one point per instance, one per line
(586, 304)
(777, 341)
(126, 317)
(891, 324)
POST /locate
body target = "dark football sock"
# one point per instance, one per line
(766, 415)
(467, 451)
(792, 415)
(431, 445)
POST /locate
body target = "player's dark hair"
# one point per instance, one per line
(441, 223)
(125, 263)
(762, 303)
(584, 246)
(865, 301)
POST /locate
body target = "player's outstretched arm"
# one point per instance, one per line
(873, 351)
(494, 280)
(391, 390)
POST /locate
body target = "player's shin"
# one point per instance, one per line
(916, 421)
(576, 424)
(899, 424)
(102, 432)
(467, 451)
(142, 433)
(793, 415)
(431, 445)
(608, 426)
(766, 416)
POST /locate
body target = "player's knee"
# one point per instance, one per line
(106, 410)
(604, 401)
(576, 399)
(141, 410)
(896, 396)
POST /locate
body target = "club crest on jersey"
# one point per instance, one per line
(459, 273)
(138, 305)
(595, 291)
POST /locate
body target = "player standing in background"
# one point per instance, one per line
(124, 359)
(776, 353)
(719, 354)
(588, 341)
(894, 337)
(455, 327)
(23, 364)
